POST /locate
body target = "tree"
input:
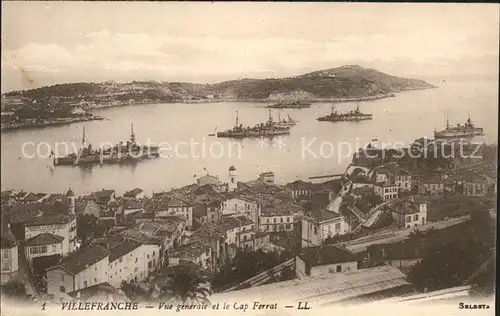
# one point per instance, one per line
(135, 293)
(88, 226)
(14, 289)
(186, 283)
(416, 233)
(448, 265)
(287, 274)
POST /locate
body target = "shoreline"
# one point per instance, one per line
(47, 124)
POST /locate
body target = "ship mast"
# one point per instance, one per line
(132, 135)
(236, 118)
(83, 137)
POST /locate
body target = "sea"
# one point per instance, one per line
(182, 131)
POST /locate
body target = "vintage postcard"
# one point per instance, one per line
(248, 158)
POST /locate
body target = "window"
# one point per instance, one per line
(150, 265)
(121, 259)
(85, 284)
(62, 289)
(339, 268)
(408, 218)
(54, 248)
(38, 249)
(154, 253)
(415, 218)
(337, 226)
(274, 220)
(315, 230)
(137, 269)
(282, 219)
(137, 259)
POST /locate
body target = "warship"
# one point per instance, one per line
(297, 104)
(466, 130)
(355, 115)
(285, 123)
(128, 152)
(267, 129)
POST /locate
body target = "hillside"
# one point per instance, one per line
(343, 82)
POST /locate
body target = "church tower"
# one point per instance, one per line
(232, 183)
(71, 201)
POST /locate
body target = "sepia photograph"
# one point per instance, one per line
(287, 158)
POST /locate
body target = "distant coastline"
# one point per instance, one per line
(46, 123)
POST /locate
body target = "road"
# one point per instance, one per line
(387, 237)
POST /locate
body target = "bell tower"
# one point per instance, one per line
(232, 183)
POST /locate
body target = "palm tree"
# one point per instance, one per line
(186, 283)
(416, 233)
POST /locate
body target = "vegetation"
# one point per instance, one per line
(187, 283)
(460, 255)
(14, 289)
(245, 265)
(87, 227)
(135, 293)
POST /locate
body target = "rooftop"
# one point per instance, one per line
(83, 259)
(122, 249)
(50, 220)
(133, 193)
(322, 215)
(327, 254)
(329, 288)
(44, 239)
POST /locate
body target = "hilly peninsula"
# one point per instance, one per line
(350, 82)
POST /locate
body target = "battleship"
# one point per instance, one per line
(267, 129)
(297, 104)
(285, 122)
(121, 153)
(466, 130)
(355, 115)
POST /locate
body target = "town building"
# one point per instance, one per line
(208, 179)
(475, 186)
(267, 178)
(276, 217)
(241, 205)
(58, 225)
(197, 253)
(431, 186)
(44, 245)
(409, 212)
(104, 197)
(131, 261)
(9, 255)
(322, 260)
(299, 190)
(232, 183)
(318, 225)
(83, 269)
(174, 205)
(386, 191)
(135, 194)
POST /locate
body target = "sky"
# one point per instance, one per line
(46, 43)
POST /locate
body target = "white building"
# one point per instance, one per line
(43, 245)
(9, 256)
(197, 253)
(274, 219)
(410, 212)
(176, 206)
(324, 260)
(86, 268)
(241, 205)
(131, 261)
(318, 225)
(267, 178)
(58, 225)
(386, 191)
(232, 183)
